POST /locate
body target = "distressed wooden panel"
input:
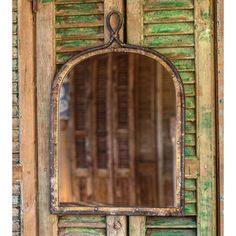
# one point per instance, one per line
(190, 209)
(171, 232)
(78, 221)
(190, 102)
(168, 29)
(190, 151)
(190, 127)
(171, 222)
(116, 226)
(190, 184)
(176, 53)
(190, 196)
(172, 4)
(78, 26)
(165, 16)
(81, 231)
(169, 41)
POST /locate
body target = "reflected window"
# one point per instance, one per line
(117, 133)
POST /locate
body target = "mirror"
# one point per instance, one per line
(117, 133)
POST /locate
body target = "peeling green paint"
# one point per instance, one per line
(190, 127)
(184, 28)
(76, 43)
(175, 15)
(190, 102)
(189, 89)
(85, 31)
(83, 231)
(78, 19)
(46, 1)
(171, 232)
(78, 8)
(190, 184)
(190, 196)
(170, 222)
(190, 139)
(190, 151)
(177, 52)
(190, 114)
(169, 40)
(167, 3)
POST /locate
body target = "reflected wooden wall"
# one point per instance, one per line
(113, 156)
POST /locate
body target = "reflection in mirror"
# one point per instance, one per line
(117, 116)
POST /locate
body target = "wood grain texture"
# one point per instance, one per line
(28, 117)
(116, 226)
(219, 52)
(137, 225)
(45, 72)
(78, 25)
(205, 90)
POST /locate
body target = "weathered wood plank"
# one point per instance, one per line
(190, 209)
(177, 53)
(172, 4)
(190, 114)
(45, 71)
(171, 222)
(184, 65)
(79, 9)
(190, 151)
(82, 219)
(137, 225)
(81, 231)
(190, 184)
(171, 232)
(79, 20)
(191, 168)
(190, 102)
(116, 226)
(168, 29)
(205, 91)
(219, 52)
(190, 196)
(190, 127)
(78, 32)
(168, 16)
(190, 139)
(76, 45)
(135, 22)
(169, 41)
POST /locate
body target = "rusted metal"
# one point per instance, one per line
(115, 45)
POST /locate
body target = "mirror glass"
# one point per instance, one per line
(117, 133)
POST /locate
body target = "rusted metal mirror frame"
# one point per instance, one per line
(115, 45)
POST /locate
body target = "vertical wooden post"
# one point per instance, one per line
(205, 83)
(137, 226)
(116, 226)
(45, 73)
(134, 21)
(219, 53)
(27, 99)
(110, 5)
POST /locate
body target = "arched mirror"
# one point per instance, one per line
(117, 132)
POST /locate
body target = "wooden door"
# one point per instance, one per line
(182, 31)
